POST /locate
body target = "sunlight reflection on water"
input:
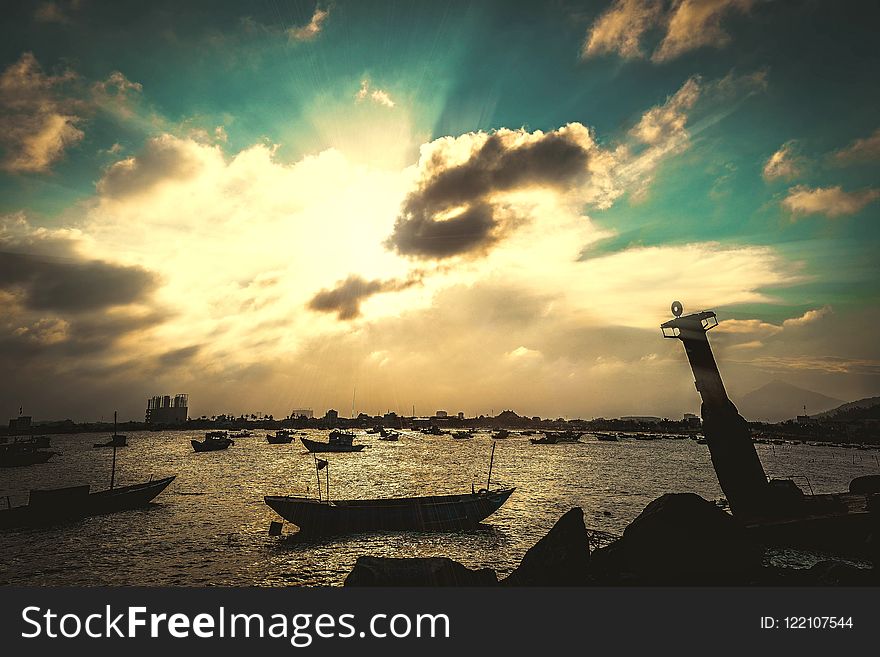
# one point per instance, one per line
(210, 526)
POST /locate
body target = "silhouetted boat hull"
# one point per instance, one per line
(211, 445)
(315, 446)
(14, 458)
(432, 513)
(116, 440)
(47, 507)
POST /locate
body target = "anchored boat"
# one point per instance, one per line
(339, 441)
(427, 513)
(214, 441)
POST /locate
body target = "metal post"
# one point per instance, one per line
(113, 440)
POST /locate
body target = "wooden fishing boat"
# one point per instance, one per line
(47, 507)
(116, 440)
(23, 452)
(212, 442)
(336, 443)
(430, 513)
(281, 437)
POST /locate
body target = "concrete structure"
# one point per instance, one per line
(307, 413)
(167, 410)
(22, 423)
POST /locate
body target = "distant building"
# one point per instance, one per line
(692, 420)
(298, 413)
(332, 416)
(441, 414)
(20, 423)
(460, 415)
(167, 409)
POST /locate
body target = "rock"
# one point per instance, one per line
(681, 538)
(836, 573)
(417, 571)
(561, 558)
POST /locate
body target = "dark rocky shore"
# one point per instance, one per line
(679, 539)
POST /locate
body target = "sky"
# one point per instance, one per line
(468, 206)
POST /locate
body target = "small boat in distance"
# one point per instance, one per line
(462, 435)
(214, 441)
(116, 440)
(243, 433)
(339, 441)
(610, 437)
(281, 437)
(23, 452)
(546, 439)
(501, 434)
(390, 436)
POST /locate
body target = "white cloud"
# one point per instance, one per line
(686, 24)
(808, 317)
(784, 163)
(829, 201)
(378, 96)
(866, 149)
(37, 123)
(621, 27)
(313, 28)
(694, 24)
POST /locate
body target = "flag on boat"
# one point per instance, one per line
(322, 464)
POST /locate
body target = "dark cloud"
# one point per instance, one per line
(178, 357)
(345, 299)
(67, 285)
(163, 158)
(556, 159)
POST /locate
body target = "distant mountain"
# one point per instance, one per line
(867, 402)
(779, 401)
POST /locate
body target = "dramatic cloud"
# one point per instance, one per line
(311, 29)
(376, 95)
(784, 163)
(36, 123)
(686, 24)
(621, 27)
(475, 189)
(866, 149)
(830, 201)
(45, 271)
(345, 299)
(456, 210)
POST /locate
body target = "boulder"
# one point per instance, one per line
(417, 571)
(561, 558)
(681, 538)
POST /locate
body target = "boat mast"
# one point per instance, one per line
(491, 461)
(317, 474)
(113, 440)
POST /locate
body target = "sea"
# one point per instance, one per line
(210, 526)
